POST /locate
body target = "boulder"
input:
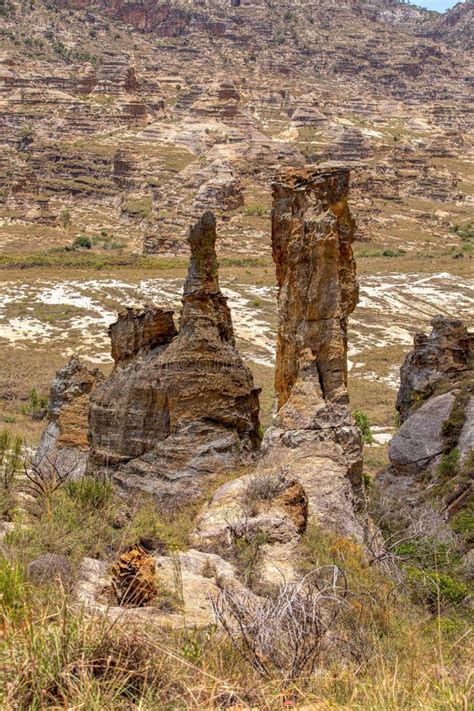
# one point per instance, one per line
(441, 356)
(419, 440)
(51, 568)
(186, 582)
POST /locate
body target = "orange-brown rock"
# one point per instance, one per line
(176, 408)
(312, 234)
(64, 443)
(133, 578)
(314, 443)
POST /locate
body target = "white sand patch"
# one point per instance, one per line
(381, 435)
(393, 307)
(26, 328)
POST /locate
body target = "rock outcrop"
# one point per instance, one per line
(178, 406)
(64, 443)
(442, 356)
(430, 477)
(188, 600)
(313, 442)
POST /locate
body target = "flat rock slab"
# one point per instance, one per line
(419, 439)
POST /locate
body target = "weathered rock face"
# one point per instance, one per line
(441, 356)
(430, 476)
(314, 442)
(312, 234)
(180, 406)
(64, 443)
(140, 329)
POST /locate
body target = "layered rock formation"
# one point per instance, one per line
(430, 477)
(441, 356)
(314, 443)
(64, 443)
(178, 406)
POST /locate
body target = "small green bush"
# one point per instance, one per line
(429, 553)
(362, 422)
(82, 242)
(36, 403)
(430, 587)
(463, 522)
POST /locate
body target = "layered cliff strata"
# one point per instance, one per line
(313, 444)
(177, 406)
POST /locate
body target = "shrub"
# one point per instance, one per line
(82, 242)
(362, 422)
(65, 218)
(37, 404)
(462, 523)
(427, 552)
(90, 492)
(393, 252)
(431, 587)
(265, 487)
(26, 133)
(284, 633)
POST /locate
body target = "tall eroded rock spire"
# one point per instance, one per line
(179, 406)
(312, 455)
(312, 234)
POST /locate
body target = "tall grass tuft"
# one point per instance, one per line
(90, 492)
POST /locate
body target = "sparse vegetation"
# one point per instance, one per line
(82, 242)
(36, 405)
(362, 422)
(138, 207)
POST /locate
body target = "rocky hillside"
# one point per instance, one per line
(123, 120)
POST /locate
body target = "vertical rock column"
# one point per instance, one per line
(312, 234)
(313, 445)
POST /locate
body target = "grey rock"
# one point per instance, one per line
(419, 439)
(51, 568)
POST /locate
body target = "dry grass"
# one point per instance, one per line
(389, 652)
(54, 656)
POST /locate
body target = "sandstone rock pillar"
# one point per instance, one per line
(312, 234)
(178, 406)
